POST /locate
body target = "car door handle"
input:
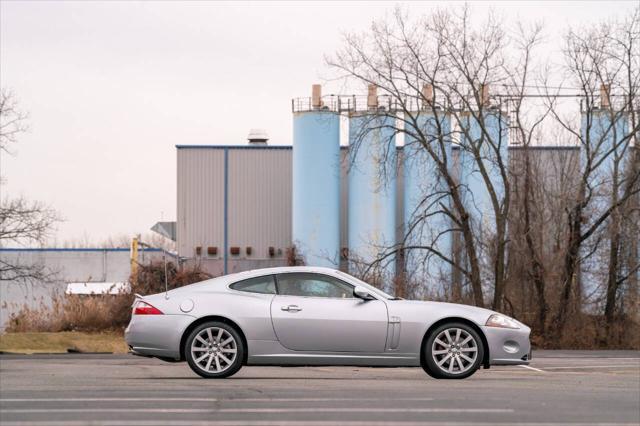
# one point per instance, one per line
(291, 308)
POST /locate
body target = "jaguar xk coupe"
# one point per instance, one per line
(318, 316)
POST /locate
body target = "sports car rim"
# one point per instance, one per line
(214, 349)
(454, 351)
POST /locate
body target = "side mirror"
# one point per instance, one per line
(362, 293)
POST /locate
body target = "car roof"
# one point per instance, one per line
(222, 283)
(277, 270)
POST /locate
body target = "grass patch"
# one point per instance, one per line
(61, 342)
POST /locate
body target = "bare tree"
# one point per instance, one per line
(458, 92)
(543, 180)
(623, 50)
(13, 121)
(603, 62)
(436, 74)
(22, 222)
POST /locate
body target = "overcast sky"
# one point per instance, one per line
(112, 87)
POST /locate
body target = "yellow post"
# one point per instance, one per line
(134, 259)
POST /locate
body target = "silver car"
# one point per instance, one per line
(318, 316)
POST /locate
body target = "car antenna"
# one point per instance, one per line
(166, 279)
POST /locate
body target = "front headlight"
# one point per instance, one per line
(502, 321)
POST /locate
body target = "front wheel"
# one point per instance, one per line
(214, 350)
(452, 351)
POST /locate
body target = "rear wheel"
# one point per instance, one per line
(452, 351)
(214, 350)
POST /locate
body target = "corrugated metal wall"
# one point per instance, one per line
(259, 201)
(258, 209)
(200, 210)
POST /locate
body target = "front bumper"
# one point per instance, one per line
(508, 346)
(157, 335)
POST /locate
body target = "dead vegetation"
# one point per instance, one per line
(547, 236)
(103, 312)
(294, 257)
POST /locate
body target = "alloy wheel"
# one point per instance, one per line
(454, 351)
(214, 349)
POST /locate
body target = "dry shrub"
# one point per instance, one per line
(294, 257)
(591, 332)
(624, 333)
(74, 313)
(150, 278)
(101, 312)
(421, 289)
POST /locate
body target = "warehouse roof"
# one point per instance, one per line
(90, 249)
(545, 147)
(234, 146)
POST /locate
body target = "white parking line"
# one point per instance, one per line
(320, 399)
(532, 368)
(366, 410)
(573, 358)
(207, 399)
(106, 399)
(255, 410)
(591, 366)
(288, 423)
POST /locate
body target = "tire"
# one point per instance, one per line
(448, 352)
(214, 350)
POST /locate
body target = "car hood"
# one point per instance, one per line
(439, 310)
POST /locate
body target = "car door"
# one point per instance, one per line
(317, 312)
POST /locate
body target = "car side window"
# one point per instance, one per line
(263, 285)
(313, 285)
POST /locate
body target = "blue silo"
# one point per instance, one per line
(492, 144)
(372, 192)
(606, 133)
(425, 194)
(316, 186)
(607, 144)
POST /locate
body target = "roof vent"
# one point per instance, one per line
(372, 96)
(316, 96)
(484, 95)
(258, 137)
(604, 96)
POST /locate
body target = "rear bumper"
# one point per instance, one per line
(157, 335)
(508, 346)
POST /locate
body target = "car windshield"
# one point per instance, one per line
(364, 284)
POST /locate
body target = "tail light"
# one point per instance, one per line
(143, 308)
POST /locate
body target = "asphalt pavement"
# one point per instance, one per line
(558, 387)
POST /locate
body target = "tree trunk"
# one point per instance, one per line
(472, 258)
(499, 269)
(612, 279)
(568, 275)
(536, 272)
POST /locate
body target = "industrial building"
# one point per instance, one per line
(339, 203)
(240, 198)
(81, 270)
(244, 206)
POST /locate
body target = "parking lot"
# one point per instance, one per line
(570, 387)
